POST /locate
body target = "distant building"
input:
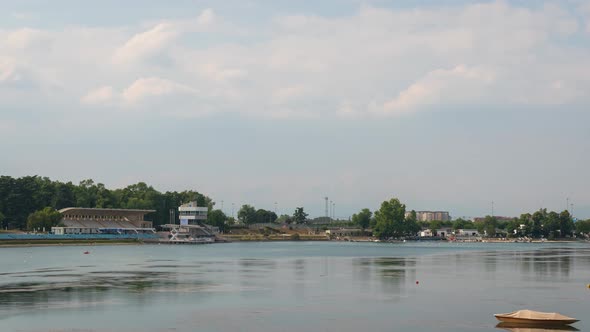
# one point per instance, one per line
(443, 232)
(339, 232)
(431, 215)
(191, 214)
(103, 221)
(467, 233)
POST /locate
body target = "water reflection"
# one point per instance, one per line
(524, 328)
(392, 273)
(47, 289)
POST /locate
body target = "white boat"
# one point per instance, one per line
(535, 318)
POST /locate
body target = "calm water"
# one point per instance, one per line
(295, 286)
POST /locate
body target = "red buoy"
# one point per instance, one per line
(86, 252)
(417, 282)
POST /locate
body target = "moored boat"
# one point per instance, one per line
(536, 318)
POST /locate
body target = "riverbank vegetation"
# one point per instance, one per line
(19, 197)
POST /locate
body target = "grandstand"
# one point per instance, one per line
(103, 221)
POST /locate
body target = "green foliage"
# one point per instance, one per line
(299, 216)
(217, 218)
(566, 224)
(247, 214)
(295, 237)
(265, 216)
(43, 219)
(583, 226)
(462, 224)
(363, 218)
(513, 227)
(390, 220)
(284, 219)
(19, 197)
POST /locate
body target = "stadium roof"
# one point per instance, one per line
(70, 209)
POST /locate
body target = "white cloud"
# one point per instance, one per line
(147, 43)
(99, 96)
(160, 37)
(376, 61)
(452, 86)
(146, 88)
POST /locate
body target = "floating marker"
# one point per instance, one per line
(86, 252)
(417, 282)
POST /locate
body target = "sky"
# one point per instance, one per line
(447, 105)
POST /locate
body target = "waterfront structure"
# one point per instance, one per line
(192, 227)
(442, 232)
(340, 232)
(467, 232)
(431, 215)
(192, 214)
(77, 220)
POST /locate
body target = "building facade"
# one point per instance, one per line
(431, 215)
(99, 221)
(191, 214)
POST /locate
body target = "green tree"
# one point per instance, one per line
(2, 218)
(434, 226)
(217, 218)
(265, 216)
(247, 214)
(389, 219)
(583, 226)
(43, 219)
(299, 216)
(566, 224)
(284, 219)
(526, 219)
(538, 219)
(461, 223)
(489, 226)
(411, 224)
(551, 225)
(513, 227)
(363, 218)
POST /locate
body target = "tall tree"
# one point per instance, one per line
(299, 216)
(217, 218)
(390, 219)
(566, 224)
(363, 218)
(247, 214)
(538, 219)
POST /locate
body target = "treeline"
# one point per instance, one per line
(390, 221)
(19, 197)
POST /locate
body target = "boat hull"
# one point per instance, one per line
(536, 322)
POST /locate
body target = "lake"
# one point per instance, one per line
(289, 286)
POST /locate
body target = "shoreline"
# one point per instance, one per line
(58, 243)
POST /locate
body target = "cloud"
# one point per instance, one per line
(374, 61)
(147, 43)
(146, 88)
(458, 85)
(155, 40)
(99, 96)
